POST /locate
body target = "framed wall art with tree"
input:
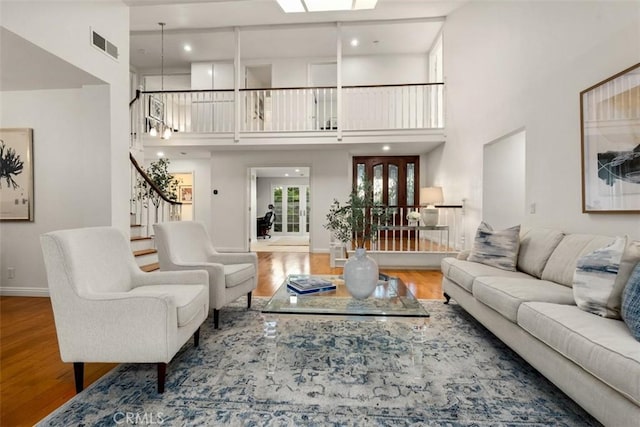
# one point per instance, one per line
(16, 174)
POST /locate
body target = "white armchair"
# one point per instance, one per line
(185, 245)
(107, 310)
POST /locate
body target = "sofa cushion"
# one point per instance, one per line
(504, 294)
(631, 303)
(603, 347)
(630, 258)
(236, 274)
(536, 246)
(594, 279)
(496, 248)
(465, 272)
(562, 262)
(190, 300)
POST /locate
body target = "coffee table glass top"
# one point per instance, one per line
(390, 299)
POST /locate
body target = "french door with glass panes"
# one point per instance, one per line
(395, 181)
(291, 205)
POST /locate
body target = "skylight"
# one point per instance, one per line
(294, 6)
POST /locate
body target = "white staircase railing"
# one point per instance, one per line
(148, 204)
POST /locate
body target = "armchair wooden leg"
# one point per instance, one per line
(162, 374)
(249, 300)
(447, 297)
(216, 318)
(78, 375)
(196, 338)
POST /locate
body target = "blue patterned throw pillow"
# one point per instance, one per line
(496, 248)
(595, 276)
(631, 303)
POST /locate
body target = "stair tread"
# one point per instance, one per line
(135, 238)
(150, 267)
(144, 252)
(135, 225)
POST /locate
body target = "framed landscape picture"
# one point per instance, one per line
(16, 174)
(185, 194)
(610, 134)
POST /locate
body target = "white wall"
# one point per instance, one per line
(63, 29)
(71, 175)
(171, 82)
(384, 69)
(514, 65)
(356, 70)
(229, 220)
(201, 184)
(80, 144)
(503, 181)
(289, 72)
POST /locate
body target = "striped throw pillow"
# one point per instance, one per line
(496, 248)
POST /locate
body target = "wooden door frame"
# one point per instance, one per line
(370, 161)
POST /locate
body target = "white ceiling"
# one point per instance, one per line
(172, 151)
(395, 26)
(282, 172)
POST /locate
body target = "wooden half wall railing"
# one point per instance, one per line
(148, 203)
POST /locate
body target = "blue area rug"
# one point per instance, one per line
(449, 371)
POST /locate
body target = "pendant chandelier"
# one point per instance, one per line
(165, 131)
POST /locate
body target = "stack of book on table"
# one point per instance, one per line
(309, 284)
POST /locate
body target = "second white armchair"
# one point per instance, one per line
(185, 245)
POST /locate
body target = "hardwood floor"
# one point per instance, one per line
(33, 379)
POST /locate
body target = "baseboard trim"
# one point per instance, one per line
(13, 291)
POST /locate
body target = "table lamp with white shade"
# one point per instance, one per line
(429, 197)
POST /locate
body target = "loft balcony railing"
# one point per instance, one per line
(304, 109)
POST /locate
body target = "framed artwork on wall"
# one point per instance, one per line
(610, 138)
(156, 109)
(16, 174)
(185, 194)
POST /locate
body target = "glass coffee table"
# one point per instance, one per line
(390, 299)
(291, 321)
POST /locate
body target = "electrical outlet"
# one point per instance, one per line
(532, 208)
(11, 272)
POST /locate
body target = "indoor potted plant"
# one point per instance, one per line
(158, 172)
(357, 221)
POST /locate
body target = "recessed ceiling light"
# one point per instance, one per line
(160, 154)
(210, 71)
(297, 170)
(187, 48)
(386, 148)
(286, 174)
(354, 42)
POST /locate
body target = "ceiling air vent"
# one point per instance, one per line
(104, 45)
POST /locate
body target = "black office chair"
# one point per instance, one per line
(264, 224)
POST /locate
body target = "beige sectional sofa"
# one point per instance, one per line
(594, 360)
